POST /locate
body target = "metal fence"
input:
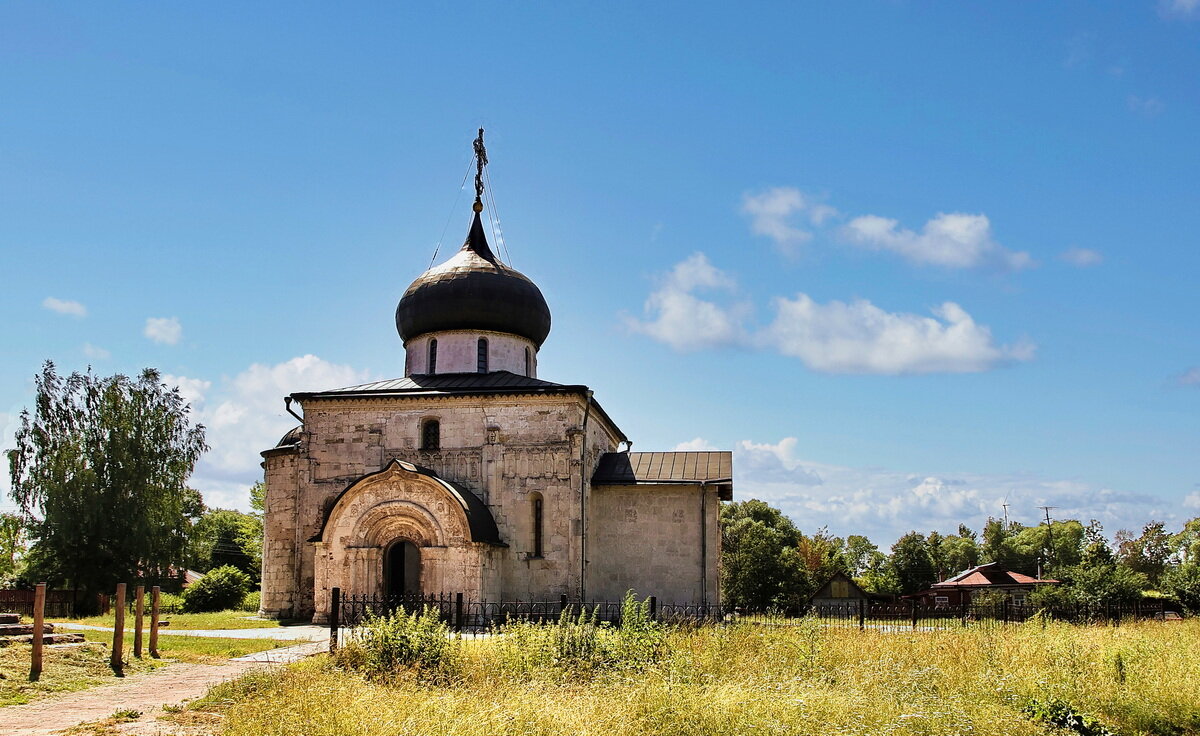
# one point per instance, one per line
(468, 616)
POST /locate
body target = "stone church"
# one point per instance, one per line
(472, 475)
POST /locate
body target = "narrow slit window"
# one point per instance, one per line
(528, 363)
(537, 526)
(431, 435)
(482, 356)
(432, 356)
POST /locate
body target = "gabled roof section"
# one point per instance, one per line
(447, 384)
(989, 574)
(658, 468)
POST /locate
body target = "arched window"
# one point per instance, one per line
(528, 363)
(431, 435)
(481, 356)
(536, 498)
(432, 356)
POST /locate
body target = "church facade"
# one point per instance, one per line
(472, 475)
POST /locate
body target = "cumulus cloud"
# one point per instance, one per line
(163, 330)
(950, 240)
(1180, 8)
(684, 321)
(772, 213)
(1082, 257)
(1190, 377)
(245, 415)
(64, 306)
(1148, 106)
(859, 337)
(95, 352)
(885, 504)
(1192, 500)
(697, 444)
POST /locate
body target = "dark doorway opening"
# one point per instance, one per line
(402, 569)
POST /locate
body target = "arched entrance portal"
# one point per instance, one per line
(402, 568)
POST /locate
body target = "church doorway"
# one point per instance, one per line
(402, 568)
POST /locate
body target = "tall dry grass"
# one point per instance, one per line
(1140, 678)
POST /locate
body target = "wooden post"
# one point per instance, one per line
(154, 593)
(118, 644)
(139, 613)
(335, 609)
(39, 621)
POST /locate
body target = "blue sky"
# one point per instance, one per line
(908, 260)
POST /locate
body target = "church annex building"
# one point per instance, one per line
(471, 475)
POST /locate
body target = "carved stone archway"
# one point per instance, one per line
(453, 530)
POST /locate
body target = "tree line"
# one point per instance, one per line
(99, 476)
(767, 562)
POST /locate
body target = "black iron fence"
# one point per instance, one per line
(464, 615)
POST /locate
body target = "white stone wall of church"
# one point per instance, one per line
(649, 538)
(458, 352)
(500, 448)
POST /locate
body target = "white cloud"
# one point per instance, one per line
(772, 211)
(885, 504)
(1192, 500)
(95, 352)
(951, 240)
(1148, 106)
(683, 320)
(696, 444)
(1082, 257)
(64, 306)
(1179, 8)
(1190, 377)
(163, 330)
(245, 415)
(859, 337)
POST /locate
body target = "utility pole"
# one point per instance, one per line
(1049, 533)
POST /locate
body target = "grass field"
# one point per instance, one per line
(220, 620)
(77, 668)
(1136, 679)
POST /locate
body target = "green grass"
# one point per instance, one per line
(1136, 679)
(220, 620)
(194, 649)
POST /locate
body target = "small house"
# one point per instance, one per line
(962, 588)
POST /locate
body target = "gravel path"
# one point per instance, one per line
(146, 692)
(306, 632)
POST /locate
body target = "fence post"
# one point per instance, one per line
(912, 606)
(335, 609)
(653, 608)
(139, 613)
(118, 645)
(458, 612)
(562, 604)
(1004, 610)
(862, 613)
(39, 620)
(154, 593)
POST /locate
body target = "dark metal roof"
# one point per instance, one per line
(448, 384)
(473, 291)
(458, 384)
(629, 468)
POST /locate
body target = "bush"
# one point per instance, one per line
(252, 602)
(1183, 583)
(385, 646)
(217, 590)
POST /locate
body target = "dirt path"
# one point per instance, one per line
(147, 692)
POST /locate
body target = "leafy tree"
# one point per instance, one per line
(911, 563)
(218, 589)
(12, 544)
(999, 546)
(1148, 553)
(761, 563)
(1186, 544)
(1183, 584)
(960, 552)
(99, 473)
(223, 537)
(861, 555)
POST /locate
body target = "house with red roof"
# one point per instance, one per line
(962, 587)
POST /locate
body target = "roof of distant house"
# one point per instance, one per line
(989, 575)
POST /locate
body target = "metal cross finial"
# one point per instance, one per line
(480, 162)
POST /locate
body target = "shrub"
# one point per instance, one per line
(252, 601)
(219, 589)
(1183, 583)
(387, 645)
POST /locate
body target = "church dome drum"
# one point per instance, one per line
(473, 290)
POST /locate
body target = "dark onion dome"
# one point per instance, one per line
(292, 437)
(473, 291)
